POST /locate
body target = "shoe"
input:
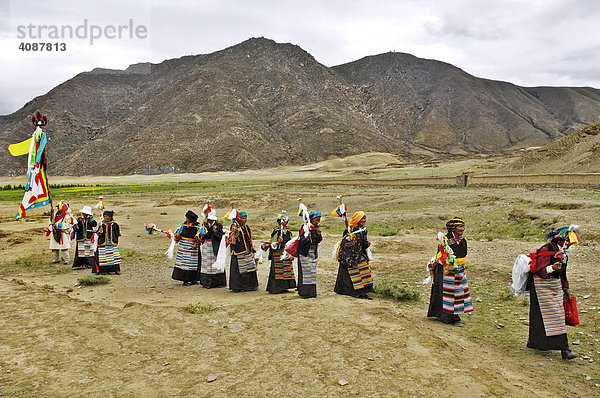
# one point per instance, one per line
(458, 324)
(55, 262)
(568, 354)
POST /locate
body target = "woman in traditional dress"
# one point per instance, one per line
(281, 274)
(58, 230)
(242, 268)
(548, 284)
(109, 258)
(450, 291)
(354, 273)
(308, 255)
(85, 253)
(210, 276)
(187, 261)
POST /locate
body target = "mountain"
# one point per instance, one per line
(577, 152)
(261, 104)
(438, 106)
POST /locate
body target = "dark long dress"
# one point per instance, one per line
(109, 258)
(187, 262)
(353, 259)
(83, 233)
(537, 331)
(436, 300)
(211, 241)
(242, 253)
(308, 251)
(280, 282)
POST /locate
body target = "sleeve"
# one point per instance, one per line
(563, 278)
(302, 241)
(541, 263)
(318, 239)
(286, 238)
(93, 223)
(218, 234)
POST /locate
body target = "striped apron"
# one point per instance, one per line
(455, 290)
(84, 248)
(108, 256)
(187, 258)
(208, 259)
(361, 275)
(246, 262)
(550, 298)
(309, 267)
(283, 268)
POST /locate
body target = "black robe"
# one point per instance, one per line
(213, 280)
(304, 245)
(183, 275)
(350, 256)
(436, 299)
(84, 228)
(279, 285)
(537, 331)
(109, 235)
(247, 281)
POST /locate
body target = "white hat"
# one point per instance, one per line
(86, 210)
(212, 215)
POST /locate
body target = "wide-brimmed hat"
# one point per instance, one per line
(212, 215)
(86, 210)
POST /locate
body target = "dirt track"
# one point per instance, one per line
(117, 341)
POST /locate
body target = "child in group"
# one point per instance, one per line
(109, 258)
(83, 233)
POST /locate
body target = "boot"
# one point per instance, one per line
(568, 354)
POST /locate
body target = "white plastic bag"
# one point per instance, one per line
(222, 254)
(428, 280)
(519, 274)
(336, 250)
(171, 250)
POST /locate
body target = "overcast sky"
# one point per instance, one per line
(529, 42)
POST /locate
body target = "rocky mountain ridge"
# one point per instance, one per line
(262, 104)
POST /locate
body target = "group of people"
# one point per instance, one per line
(200, 244)
(547, 283)
(97, 245)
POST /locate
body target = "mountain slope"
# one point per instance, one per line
(261, 104)
(577, 152)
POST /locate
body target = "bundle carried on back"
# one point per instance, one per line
(526, 264)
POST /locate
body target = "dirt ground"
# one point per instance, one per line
(133, 337)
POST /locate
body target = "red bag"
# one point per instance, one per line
(571, 313)
(292, 247)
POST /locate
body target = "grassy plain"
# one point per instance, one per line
(141, 330)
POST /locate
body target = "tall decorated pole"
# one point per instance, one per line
(37, 192)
